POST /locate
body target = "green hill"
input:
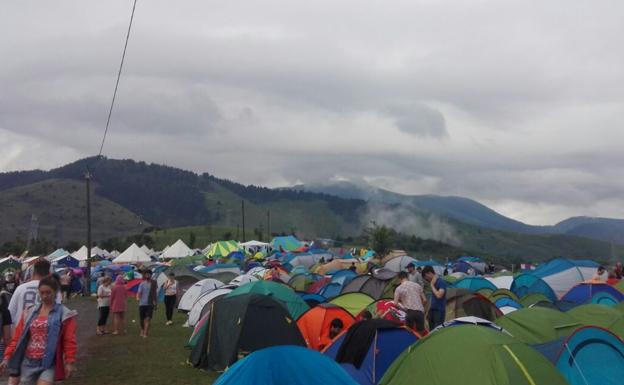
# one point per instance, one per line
(59, 206)
(180, 202)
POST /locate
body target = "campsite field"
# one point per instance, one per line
(129, 359)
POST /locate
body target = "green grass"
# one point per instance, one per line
(131, 360)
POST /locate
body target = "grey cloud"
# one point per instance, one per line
(419, 119)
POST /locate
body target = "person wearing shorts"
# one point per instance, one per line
(146, 295)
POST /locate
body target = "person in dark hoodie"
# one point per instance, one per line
(146, 295)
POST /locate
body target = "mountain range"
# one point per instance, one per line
(472, 212)
(130, 197)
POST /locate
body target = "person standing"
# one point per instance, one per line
(119, 305)
(6, 321)
(437, 310)
(601, 275)
(146, 296)
(103, 299)
(410, 297)
(171, 296)
(415, 274)
(66, 284)
(27, 294)
(43, 348)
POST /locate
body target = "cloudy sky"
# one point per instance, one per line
(518, 104)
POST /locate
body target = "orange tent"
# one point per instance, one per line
(314, 324)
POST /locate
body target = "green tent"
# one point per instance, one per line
(222, 249)
(619, 307)
(471, 355)
(599, 315)
(9, 263)
(296, 306)
(531, 299)
(354, 303)
(288, 243)
(538, 325)
(503, 293)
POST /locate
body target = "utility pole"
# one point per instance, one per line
(87, 288)
(243, 212)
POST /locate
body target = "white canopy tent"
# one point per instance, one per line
(80, 254)
(178, 250)
(132, 254)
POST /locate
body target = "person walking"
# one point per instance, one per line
(119, 305)
(66, 285)
(409, 296)
(437, 310)
(27, 294)
(43, 348)
(171, 296)
(146, 296)
(103, 300)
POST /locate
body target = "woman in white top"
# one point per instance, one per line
(171, 296)
(103, 299)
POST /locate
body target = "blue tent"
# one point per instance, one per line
(67, 261)
(339, 280)
(474, 284)
(584, 292)
(503, 302)
(285, 365)
(604, 299)
(288, 243)
(592, 356)
(528, 283)
(312, 299)
(386, 341)
(462, 267)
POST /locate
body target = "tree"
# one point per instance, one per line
(380, 238)
(192, 240)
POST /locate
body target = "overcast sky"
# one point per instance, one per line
(518, 104)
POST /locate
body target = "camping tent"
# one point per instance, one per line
(178, 250)
(471, 355)
(243, 324)
(562, 274)
(197, 290)
(592, 356)
(584, 292)
(380, 284)
(538, 325)
(598, 315)
(354, 303)
(287, 243)
(132, 254)
(295, 305)
(202, 305)
(221, 249)
(9, 263)
(314, 324)
(281, 365)
(368, 349)
(399, 263)
(471, 304)
(475, 284)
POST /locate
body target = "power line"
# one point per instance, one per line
(123, 56)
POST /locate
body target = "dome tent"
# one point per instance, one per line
(243, 323)
(471, 355)
(282, 293)
(368, 348)
(314, 324)
(538, 325)
(285, 365)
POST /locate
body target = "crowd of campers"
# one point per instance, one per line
(265, 313)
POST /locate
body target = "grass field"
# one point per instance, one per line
(131, 360)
